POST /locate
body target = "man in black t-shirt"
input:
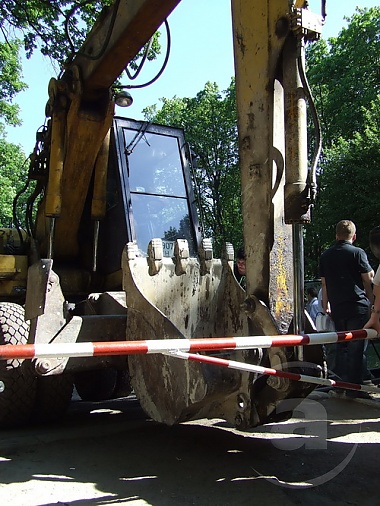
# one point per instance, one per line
(346, 277)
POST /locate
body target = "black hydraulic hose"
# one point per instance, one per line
(14, 212)
(141, 64)
(105, 44)
(168, 47)
(107, 39)
(31, 226)
(67, 19)
(317, 126)
(323, 9)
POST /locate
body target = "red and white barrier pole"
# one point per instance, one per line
(29, 351)
(231, 364)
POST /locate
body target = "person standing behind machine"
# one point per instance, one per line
(312, 305)
(239, 268)
(346, 277)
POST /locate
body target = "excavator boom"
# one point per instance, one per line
(117, 36)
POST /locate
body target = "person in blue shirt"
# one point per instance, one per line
(312, 305)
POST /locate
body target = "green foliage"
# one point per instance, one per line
(344, 74)
(351, 177)
(209, 123)
(42, 23)
(13, 174)
(10, 79)
(56, 28)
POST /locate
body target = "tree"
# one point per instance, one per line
(209, 122)
(344, 74)
(355, 163)
(12, 168)
(12, 160)
(348, 186)
(11, 84)
(13, 173)
(42, 23)
(57, 28)
(345, 80)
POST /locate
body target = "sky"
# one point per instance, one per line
(201, 51)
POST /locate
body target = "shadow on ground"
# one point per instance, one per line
(110, 453)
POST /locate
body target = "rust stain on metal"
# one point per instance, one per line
(251, 120)
(240, 42)
(246, 143)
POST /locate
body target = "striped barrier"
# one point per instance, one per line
(52, 350)
(272, 372)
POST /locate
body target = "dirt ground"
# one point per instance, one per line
(111, 454)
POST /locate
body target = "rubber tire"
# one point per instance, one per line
(53, 397)
(18, 381)
(97, 385)
(123, 386)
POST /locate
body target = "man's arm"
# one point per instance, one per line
(374, 321)
(367, 278)
(325, 300)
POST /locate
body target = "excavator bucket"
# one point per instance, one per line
(182, 297)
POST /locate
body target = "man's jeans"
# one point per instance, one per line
(350, 355)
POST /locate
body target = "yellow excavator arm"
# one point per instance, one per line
(81, 107)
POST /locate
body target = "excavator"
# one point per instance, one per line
(113, 251)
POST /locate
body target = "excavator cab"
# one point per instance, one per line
(149, 193)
